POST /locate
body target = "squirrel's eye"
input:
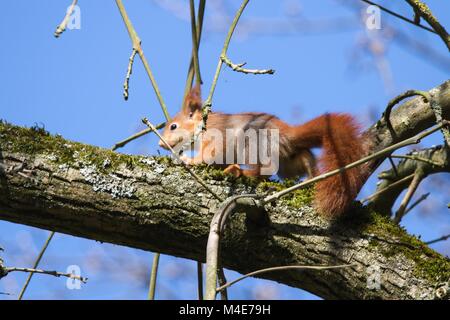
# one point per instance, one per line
(190, 114)
(173, 126)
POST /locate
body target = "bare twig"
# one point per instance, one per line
(394, 167)
(63, 25)
(126, 84)
(199, 26)
(36, 263)
(282, 268)
(217, 226)
(200, 280)
(429, 161)
(222, 280)
(422, 198)
(238, 67)
(194, 68)
(208, 102)
(390, 187)
(443, 238)
(153, 276)
(195, 42)
(418, 176)
(136, 42)
(52, 273)
(135, 136)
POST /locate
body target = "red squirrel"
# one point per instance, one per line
(337, 134)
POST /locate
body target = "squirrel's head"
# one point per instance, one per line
(181, 128)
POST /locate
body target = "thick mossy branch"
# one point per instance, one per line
(152, 204)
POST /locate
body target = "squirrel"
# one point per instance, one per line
(337, 134)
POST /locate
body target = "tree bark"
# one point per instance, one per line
(152, 204)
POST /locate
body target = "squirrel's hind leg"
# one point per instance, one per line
(308, 162)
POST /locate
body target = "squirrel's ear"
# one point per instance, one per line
(193, 101)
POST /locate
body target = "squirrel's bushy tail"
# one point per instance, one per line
(341, 141)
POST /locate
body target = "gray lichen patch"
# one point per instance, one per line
(156, 166)
(110, 183)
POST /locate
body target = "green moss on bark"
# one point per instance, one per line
(428, 263)
(36, 140)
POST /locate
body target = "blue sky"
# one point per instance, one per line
(73, 86)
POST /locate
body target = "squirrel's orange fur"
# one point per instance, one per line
(337, 134)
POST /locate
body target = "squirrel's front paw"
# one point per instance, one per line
(233, 169)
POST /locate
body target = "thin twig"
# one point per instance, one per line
(422, 198)
(195, 41)
(443, 238)
(136, 42)
(63, 25)
(136, 135)
(208, 102)
(195, 68)
(200, 280)
(238, 67)
(193, 174)
(153, 276)
(282, 268)
(418, 176)
(217, 227)
(199, 26)
(433, 163)
(413, 140)
(126, 84)
(52, 273)
(394, 167)
(36, 263)
(222, 280)
(389, 187)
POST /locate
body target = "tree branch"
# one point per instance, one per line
(152, 204)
